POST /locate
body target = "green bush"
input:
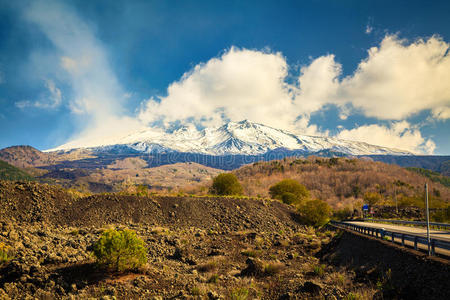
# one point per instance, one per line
(289, 198)
(142, 190)
(4, 253)
(315, 212)
(120, 250)
(289, 191)
(226, 184)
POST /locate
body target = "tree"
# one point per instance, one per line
(120, 250)
(226, 184)
(315, 212)
(372, 198)
(289, 191)
(343, 214)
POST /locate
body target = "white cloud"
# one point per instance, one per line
(241, 84)
(97, 94)
(50, 100)
(441, 112)
(395, 81)
(400, 135)
(398, 80)
(95, 85)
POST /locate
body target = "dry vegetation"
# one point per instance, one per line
(342, 182)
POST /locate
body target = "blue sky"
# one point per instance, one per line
(374, 71)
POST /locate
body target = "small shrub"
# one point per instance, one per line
(120, 250)
(142, 190)
(289, 191)
(195, 291)
(319, 270)
(213, 279)
(315, 212)
(239, 294)
(353, 296)
(385, 283)
(226, 184)
(339, 279)
(5, 254)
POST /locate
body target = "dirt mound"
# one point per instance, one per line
(220, 214)
(32, 202)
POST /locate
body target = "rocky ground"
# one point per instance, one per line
(213, 248)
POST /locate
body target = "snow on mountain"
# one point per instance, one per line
(242, 137)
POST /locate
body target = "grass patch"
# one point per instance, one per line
(251, 253)
(353, 296)
(319, 270)
(239, 294)
(196, 291)
(213, 278)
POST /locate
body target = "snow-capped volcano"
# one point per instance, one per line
(242, 137)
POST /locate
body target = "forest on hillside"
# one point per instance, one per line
(344, 182)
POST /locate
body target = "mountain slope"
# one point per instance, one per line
(245, 138)
(343, 181)
(9, 172)
(24, 156)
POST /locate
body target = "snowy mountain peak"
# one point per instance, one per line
(244, 137)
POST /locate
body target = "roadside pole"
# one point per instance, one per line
(428, 219)
(396, 205)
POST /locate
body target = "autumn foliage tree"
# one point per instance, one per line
(372, 198)
(226, 184)
(289, 191)
(315, 212)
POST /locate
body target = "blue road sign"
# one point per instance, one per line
(366, 207)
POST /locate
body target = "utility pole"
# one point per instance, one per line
(395, 196)
(428, 219)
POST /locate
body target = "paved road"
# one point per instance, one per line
(419, 231)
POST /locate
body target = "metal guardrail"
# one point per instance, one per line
(433, 224)
(390, 235)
